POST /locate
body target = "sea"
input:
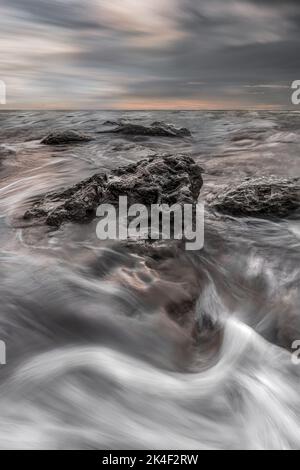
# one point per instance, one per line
(91, 356)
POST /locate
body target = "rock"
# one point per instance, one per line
(259, 197)
(179, 132)
(65, 137)
(248, 134)
(110, 123)
(117, 122)
(157, 128)
(161, 179)
(168, 179)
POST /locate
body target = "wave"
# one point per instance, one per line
(112, 349)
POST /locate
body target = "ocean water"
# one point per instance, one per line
(96, 357)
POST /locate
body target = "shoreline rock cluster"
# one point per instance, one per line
(156, 129)
(170, 179)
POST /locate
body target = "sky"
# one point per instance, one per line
(149, 54)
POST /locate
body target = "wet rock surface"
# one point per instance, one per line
(157, 128)
(157, 180)
(259, 197)
(65, 137)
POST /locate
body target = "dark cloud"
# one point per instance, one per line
(238, 51)
(64, 14)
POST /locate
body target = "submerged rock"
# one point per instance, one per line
(6, 152)
(259, 197)
(161, 179)
(110, 123)
(248, 134)
(157, 128)
(65, 137)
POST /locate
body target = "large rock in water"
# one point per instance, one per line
(160, 179)
(158, 128)
(65, 137)
(259, 197)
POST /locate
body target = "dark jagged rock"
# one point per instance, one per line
(167, 179)
(159, 129)
(75, 204)
(65, 137)
(160, 179)
(178, 132)
(259, 197)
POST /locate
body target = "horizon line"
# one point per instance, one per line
(148, 109)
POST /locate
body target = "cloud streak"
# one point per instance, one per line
(149, 54)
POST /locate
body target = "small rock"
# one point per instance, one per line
(65, 137)
(246, 135)
(110, 123)
(259, 197)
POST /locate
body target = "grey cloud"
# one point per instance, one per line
(224, 52)
(63, 14)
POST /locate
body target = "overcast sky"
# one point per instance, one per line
(145, 54)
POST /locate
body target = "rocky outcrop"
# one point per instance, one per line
(65, 137)
(161, 179)
(157, 128)
(259, 197)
